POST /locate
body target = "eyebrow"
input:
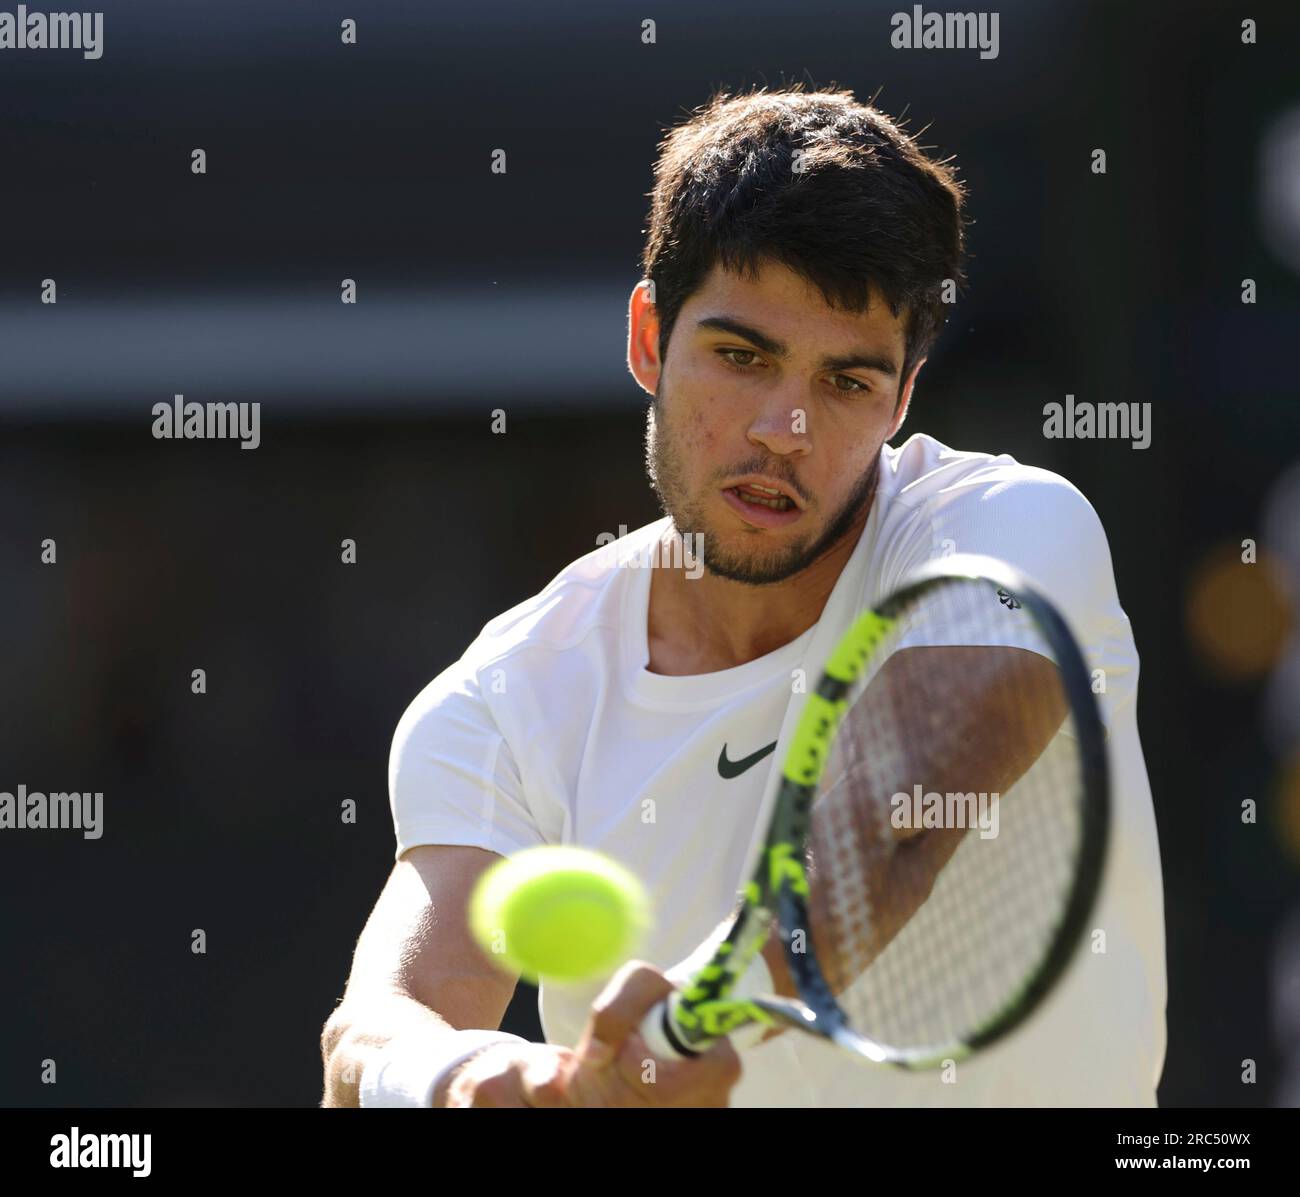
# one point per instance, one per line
(880, 362)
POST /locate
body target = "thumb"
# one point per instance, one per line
(596, 1053)
(543, 1083)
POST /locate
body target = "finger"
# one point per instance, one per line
(589, 1088)
(543, 1084)
(704, 1081)
(618, 1010)
(726, 1066)
(499, 1092)
(638, 1068)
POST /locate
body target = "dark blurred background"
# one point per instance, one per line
(480, 291)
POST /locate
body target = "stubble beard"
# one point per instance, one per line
(664, 465)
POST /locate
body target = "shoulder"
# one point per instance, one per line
(584, 596)
(994, 500)
(924, 472)
(582, 601)
(937, 501)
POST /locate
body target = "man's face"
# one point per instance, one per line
(766, 388)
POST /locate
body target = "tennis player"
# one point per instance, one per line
(800, 250)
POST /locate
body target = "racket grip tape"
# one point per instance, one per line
(656, 1030)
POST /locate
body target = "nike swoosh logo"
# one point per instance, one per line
(729, 769)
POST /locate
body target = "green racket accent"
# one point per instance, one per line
(822, 713)
(812, 737)
(704, 1010)
(722, 1017)
(785, 868)
(861, 640)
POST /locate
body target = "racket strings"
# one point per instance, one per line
(948, 822)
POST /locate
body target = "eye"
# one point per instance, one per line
(724, 354)
(856, 388)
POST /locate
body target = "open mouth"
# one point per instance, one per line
(760, 505)
(764, 496)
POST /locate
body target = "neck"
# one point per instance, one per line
(707, 623)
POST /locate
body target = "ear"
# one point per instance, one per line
(643, 337)
(905, 399)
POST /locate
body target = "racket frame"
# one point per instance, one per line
(775, 897)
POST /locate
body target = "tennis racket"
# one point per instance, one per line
(938, 837)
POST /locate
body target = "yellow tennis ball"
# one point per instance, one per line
(563, 913)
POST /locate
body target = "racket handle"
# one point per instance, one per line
(661, 1042)
(657, 1027)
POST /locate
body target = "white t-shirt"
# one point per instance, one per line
(550, 730)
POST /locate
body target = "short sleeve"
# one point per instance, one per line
(452, 778)
(1043, 526)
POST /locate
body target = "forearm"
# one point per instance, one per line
(871, 863)
(359, 1029)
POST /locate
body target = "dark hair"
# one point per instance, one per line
(868, 210)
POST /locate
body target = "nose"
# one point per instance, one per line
(781, 425)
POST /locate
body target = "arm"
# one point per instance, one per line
(416, 972)
(997, 710)
(420, 982)
(1001, 707)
